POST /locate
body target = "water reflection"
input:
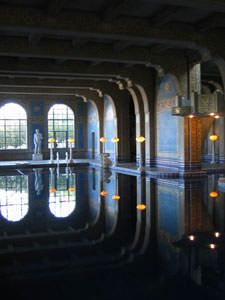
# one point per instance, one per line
(38, 184)
(160, 228)
(62, 193)
(14, 197)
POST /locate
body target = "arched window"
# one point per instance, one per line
(61, 124)
(62, 194)
(13, 127)
(14, 197)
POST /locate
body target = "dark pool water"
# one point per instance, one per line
(79, 234)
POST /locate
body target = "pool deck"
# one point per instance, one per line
(128, 168)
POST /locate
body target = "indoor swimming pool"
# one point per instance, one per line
(107, 235)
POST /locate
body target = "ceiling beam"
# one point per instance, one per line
(71, 24)
(213, 21)
(211, 5)
(34, 39)
(62, 50)
(60, 61)
(78, 42)
(55, 6)
(115, 9)
(121, 45)
(158, 49)
(166, 15)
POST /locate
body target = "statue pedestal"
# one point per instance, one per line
(37, 156)
(105, 161)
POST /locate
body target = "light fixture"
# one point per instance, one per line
(115, 197)
(217, 117)
(213, 137)
(191, 116)
(115, 140)
(212, 246)
(141, 207)
(212, 114)
(51, 141)
(213, 194)
(71, 189)
(71, 141)
(217, 234)
(52, 191)
(103, 140)
(104, 193)
(140, 140)
(191, 237)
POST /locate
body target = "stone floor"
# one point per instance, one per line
(130, 168)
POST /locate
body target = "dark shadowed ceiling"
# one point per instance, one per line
(58, 33)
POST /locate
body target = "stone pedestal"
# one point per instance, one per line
(37, 156)
(105, 161)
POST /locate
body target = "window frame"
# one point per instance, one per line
(67, 126)
(6, 132)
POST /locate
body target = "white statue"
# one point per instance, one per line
(37, 141)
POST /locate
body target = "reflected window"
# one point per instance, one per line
(62, 195)
(13, 127)
(14, 197)
(60, 125)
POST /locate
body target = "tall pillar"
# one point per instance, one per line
(138, 133)
(193, 144)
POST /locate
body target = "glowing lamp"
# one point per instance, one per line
(213, 137)
(103, 139)
(217, 117)
(71, 140)
(52, 140)
(52, 191)
(212, 246)
(191, 237)
(71, 189)
(140, 139)
(104, 193)
(212, 114)
(141, 206)
(213, 194)
(217, 234)
(115, 140)
(115, 197)
(191, 116)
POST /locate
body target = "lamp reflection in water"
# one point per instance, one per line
(14, 197)
(140, 140)
(62, 194)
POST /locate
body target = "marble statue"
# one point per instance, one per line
(37, 141)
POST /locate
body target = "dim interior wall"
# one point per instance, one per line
(109, 127)
(215, 127)
(92, 131)
(169, 129)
